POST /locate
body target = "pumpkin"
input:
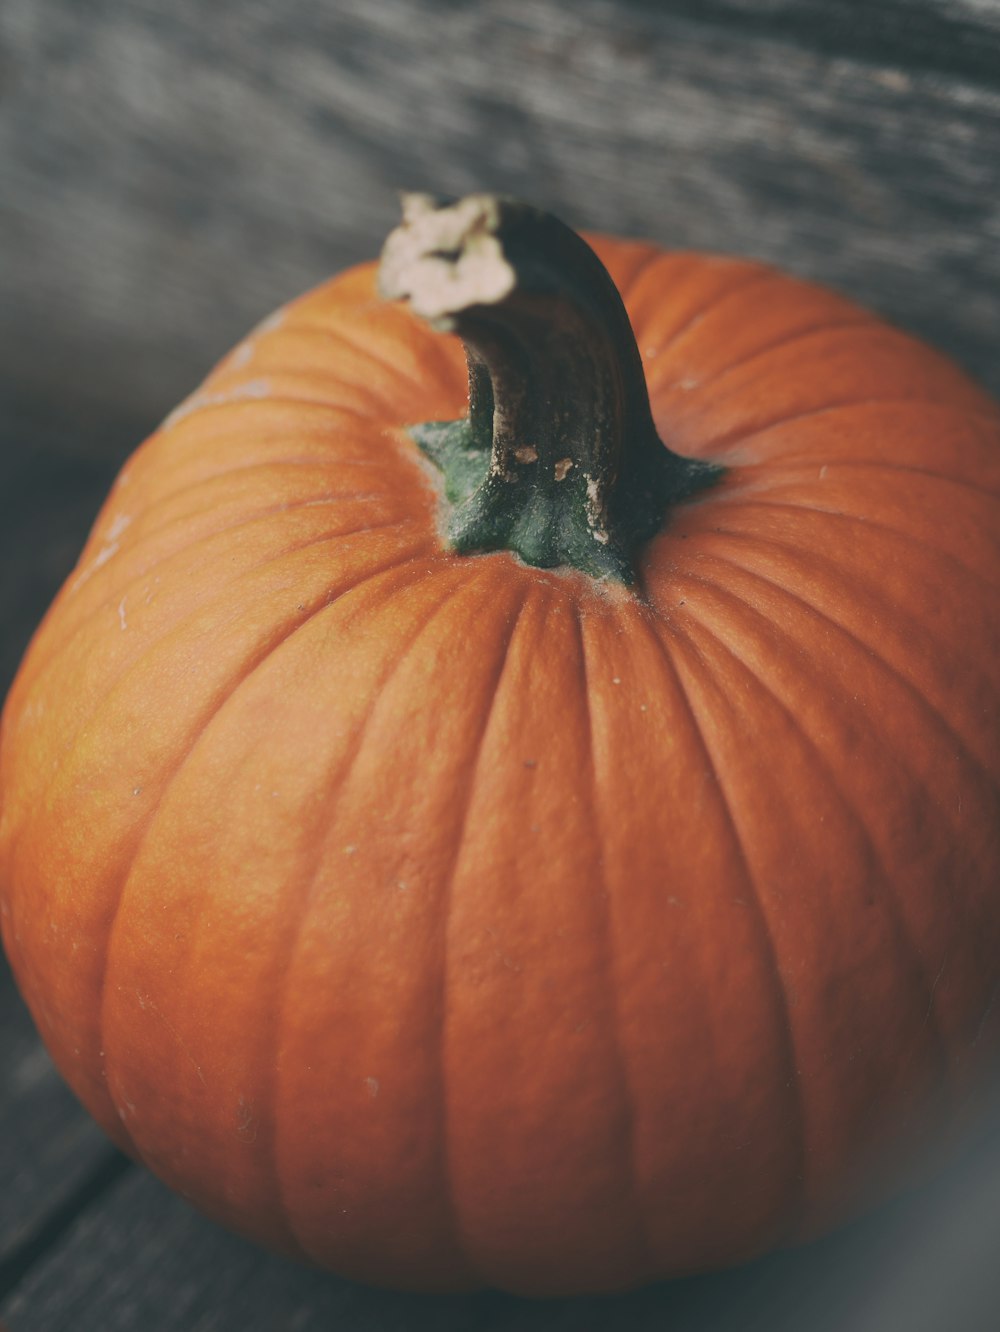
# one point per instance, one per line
(483, 821)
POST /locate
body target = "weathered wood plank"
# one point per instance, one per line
(52, 1155)
(169, 179)
(57, 462)
(958, 37)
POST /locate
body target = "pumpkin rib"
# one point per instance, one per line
(191, 747)
(641, 1227)
(53, 650)
(808, 471)
(209, 480)
(734, 439)
(307, 385)
(795, 1098)
(463, 577)
(872, 654)
(192, 407)
(447, 898)
(319, 500)
(139, 533)
(709, 310)
(151, 648)
(140, 837)
(428, 345)
(870, 524)
(139, 538)
(332, 333)
(239, 432)
(783, 343)
(633, 289)
(299, 386)
(263, 464)
(626, 261)
(691, 273)
(904, 935)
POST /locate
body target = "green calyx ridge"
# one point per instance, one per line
(547, 525)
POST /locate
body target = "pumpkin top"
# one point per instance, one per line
(558, 458)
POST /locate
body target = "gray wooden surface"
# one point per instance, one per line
(171, 171)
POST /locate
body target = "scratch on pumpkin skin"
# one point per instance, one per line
(930, 997)
(246, 1120)
(147, 1005)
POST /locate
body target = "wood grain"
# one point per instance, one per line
(168, 179)
(51, 1154)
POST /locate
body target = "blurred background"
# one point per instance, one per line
(171, 171)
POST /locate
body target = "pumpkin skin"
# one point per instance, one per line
(451, 922)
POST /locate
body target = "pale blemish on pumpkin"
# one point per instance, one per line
(118, 526)
(373, 1085)
(241, 355)
(246, 1121)
(100, 559)
(121, 613)
(104, 554)
(253, 388)
(270, 322)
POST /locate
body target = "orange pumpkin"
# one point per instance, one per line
(553, 921)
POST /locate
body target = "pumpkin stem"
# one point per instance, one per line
(558, 459)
